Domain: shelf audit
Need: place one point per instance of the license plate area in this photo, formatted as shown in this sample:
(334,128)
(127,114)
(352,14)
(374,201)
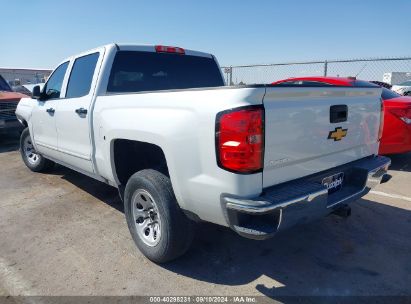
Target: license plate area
(334,182)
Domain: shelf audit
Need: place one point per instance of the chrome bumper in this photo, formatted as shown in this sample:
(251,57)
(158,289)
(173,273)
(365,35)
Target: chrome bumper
(286,205)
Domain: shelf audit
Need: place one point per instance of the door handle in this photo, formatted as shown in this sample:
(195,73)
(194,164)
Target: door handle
(81,111)
(50,110)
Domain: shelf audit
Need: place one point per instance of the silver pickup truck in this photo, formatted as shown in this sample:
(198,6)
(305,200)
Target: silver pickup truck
(159,124)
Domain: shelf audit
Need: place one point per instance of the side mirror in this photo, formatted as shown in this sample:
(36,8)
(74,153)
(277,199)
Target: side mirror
(36,92)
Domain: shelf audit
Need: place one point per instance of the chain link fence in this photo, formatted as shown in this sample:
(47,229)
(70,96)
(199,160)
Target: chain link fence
(389,70)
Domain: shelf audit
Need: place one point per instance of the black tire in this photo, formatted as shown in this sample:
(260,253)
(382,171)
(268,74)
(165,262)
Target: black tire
(176,229)
(407,93)
(39,164)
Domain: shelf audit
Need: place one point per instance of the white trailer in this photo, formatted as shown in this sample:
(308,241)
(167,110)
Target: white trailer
(394,78)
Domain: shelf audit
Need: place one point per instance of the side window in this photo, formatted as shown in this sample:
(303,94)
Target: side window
(81,76)
(53,86)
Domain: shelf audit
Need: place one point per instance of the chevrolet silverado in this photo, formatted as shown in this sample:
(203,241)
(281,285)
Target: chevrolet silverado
(159,124)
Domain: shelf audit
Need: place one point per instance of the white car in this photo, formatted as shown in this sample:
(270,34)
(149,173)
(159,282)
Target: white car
(159,124)
(403,88)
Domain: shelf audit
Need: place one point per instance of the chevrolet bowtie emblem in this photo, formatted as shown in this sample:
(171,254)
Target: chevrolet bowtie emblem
(338,134)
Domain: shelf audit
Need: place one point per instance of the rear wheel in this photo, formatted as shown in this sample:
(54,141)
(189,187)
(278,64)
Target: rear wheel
(33,160)
(407,93)
(158,226)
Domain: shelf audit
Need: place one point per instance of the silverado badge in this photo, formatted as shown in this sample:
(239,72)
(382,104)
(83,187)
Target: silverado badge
(338,134)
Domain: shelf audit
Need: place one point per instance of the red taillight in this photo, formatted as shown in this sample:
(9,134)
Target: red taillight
(169,49)
(381,120)
(240,139)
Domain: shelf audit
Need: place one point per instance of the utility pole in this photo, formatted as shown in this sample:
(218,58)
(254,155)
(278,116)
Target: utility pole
(325,67)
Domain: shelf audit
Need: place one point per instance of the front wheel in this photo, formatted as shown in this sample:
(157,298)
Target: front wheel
(158,226)
(33,160)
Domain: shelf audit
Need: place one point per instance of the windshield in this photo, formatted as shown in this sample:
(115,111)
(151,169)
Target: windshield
(134,71)
(4,86)
(388,94)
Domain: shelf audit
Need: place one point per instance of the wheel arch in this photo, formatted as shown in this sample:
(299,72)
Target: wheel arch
(23,122)
(129,156)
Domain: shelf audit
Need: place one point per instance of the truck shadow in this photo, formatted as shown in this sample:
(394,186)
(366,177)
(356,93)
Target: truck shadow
(9,142)
(99,190)
(364,254)
(358,255)
(367,253)
(401,162)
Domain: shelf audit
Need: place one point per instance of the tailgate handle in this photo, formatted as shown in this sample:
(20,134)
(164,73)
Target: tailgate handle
(338,113)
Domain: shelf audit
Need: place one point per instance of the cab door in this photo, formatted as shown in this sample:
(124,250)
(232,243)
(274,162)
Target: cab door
(44,132)
(74,113)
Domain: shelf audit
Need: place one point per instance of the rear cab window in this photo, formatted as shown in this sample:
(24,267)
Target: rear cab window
(137,71)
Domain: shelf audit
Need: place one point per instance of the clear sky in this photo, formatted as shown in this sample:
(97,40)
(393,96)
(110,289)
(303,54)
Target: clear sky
(40,33)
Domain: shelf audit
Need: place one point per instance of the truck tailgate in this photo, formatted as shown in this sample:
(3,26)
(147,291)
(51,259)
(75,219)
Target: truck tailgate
(300,138)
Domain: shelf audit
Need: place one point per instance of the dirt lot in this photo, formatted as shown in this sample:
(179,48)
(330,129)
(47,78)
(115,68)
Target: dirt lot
(65,234)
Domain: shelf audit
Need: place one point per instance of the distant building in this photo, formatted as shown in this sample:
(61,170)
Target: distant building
(17,77)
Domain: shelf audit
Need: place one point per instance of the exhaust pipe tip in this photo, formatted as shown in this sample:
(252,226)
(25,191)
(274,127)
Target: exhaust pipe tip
(344,211)
(385,178)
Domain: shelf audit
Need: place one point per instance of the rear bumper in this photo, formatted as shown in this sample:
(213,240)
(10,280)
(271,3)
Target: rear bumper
(300,201)
(10,125)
